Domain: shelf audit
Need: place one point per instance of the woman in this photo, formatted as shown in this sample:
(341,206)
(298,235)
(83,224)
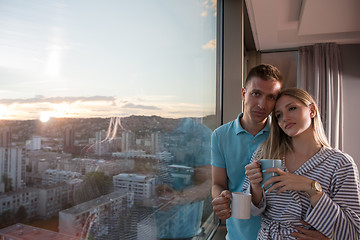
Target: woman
(318,184)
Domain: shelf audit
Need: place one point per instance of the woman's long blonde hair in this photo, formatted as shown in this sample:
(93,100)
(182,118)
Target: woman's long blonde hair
(278,143)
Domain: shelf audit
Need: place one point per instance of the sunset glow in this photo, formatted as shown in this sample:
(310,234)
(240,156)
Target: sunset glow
(3,112)
(45,116)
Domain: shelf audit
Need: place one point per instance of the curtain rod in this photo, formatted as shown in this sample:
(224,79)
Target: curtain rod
(280,50)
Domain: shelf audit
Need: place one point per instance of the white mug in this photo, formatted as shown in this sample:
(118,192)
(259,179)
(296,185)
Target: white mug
(240,205)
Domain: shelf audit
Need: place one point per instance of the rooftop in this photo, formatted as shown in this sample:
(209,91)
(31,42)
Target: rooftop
(25,232)
(132,176)
(89,205)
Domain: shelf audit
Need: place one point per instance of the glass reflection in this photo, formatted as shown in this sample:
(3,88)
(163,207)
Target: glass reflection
(106,112)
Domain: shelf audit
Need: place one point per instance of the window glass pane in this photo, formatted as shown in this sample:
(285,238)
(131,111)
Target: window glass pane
(106,112)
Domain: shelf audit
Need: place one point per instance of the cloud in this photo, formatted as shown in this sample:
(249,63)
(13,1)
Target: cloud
(210,45)
(209,5)
(138,106)
(98,106)
(213,4)
(42,99)
(204,13)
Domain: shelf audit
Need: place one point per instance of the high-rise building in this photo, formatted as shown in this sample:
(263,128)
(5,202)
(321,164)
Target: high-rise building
(102,145)
(155,142)
(5,137)
(69,139)
(127,141)
(12,167)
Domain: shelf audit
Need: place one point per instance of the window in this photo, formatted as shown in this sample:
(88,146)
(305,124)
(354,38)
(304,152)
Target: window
(94,92)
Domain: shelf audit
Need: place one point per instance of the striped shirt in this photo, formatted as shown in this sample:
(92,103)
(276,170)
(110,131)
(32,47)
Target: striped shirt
(336,214)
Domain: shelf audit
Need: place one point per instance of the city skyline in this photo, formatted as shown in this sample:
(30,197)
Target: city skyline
(60,59)
(53,177)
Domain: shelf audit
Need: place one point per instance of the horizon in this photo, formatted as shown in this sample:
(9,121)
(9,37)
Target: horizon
(109,117)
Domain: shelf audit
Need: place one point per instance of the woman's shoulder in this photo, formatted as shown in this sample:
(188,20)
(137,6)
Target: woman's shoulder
(338,156)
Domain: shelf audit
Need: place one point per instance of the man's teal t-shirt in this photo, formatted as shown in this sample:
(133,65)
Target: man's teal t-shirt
(184,221)
(232,148)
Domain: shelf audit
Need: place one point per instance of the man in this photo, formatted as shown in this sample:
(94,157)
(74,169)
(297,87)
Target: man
(181,217)
(233,144)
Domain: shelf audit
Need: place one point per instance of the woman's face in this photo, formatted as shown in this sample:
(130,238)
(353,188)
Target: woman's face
(293,117)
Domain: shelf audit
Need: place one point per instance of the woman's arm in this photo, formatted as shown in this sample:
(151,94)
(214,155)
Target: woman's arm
(337,214)
(254,176)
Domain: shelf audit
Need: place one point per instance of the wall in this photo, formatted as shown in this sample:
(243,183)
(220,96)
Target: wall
(286,62)
(350,55)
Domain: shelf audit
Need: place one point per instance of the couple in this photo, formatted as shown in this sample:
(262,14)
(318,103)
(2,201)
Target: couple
(315,196)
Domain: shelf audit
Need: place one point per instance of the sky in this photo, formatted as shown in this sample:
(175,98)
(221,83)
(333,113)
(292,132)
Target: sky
(87,58)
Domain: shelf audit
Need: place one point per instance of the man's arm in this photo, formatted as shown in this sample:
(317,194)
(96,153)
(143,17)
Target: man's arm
(197,192)
(220,193)
(308,234)
(201,188)
(219,181)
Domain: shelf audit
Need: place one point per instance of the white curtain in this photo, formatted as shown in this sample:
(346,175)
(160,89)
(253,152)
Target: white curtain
(319,73)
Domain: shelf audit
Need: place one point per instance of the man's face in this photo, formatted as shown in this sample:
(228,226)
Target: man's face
(259,99)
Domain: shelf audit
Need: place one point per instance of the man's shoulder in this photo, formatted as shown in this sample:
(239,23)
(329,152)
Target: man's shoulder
(225,127)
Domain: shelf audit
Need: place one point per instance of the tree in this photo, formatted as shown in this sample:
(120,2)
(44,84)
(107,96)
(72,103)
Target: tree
(7,218)
(95,184)
(21,214)
(7,182)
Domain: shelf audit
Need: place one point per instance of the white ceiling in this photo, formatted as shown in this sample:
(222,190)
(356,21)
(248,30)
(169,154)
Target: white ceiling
(281,24)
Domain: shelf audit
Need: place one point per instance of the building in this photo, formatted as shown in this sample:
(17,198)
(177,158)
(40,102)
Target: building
(86,165)
(5,137)
(99,217)
(12,166)
(53,176)
(156,145)
(127,141)
(69,139)
(27,197)
(181,176)
(52,199)
(21,231)
(161,165)
(34,143)
(74,186)
(129,154)
(142,186)
(102,144)
(187,216)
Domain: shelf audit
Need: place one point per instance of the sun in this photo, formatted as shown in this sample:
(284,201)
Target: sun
(4,112)
(44,117)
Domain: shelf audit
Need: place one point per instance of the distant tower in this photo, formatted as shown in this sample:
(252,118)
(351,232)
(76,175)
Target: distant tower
(156,143)
(35,143)
(69,139)
(100,145)
(127,141)
(5,137)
